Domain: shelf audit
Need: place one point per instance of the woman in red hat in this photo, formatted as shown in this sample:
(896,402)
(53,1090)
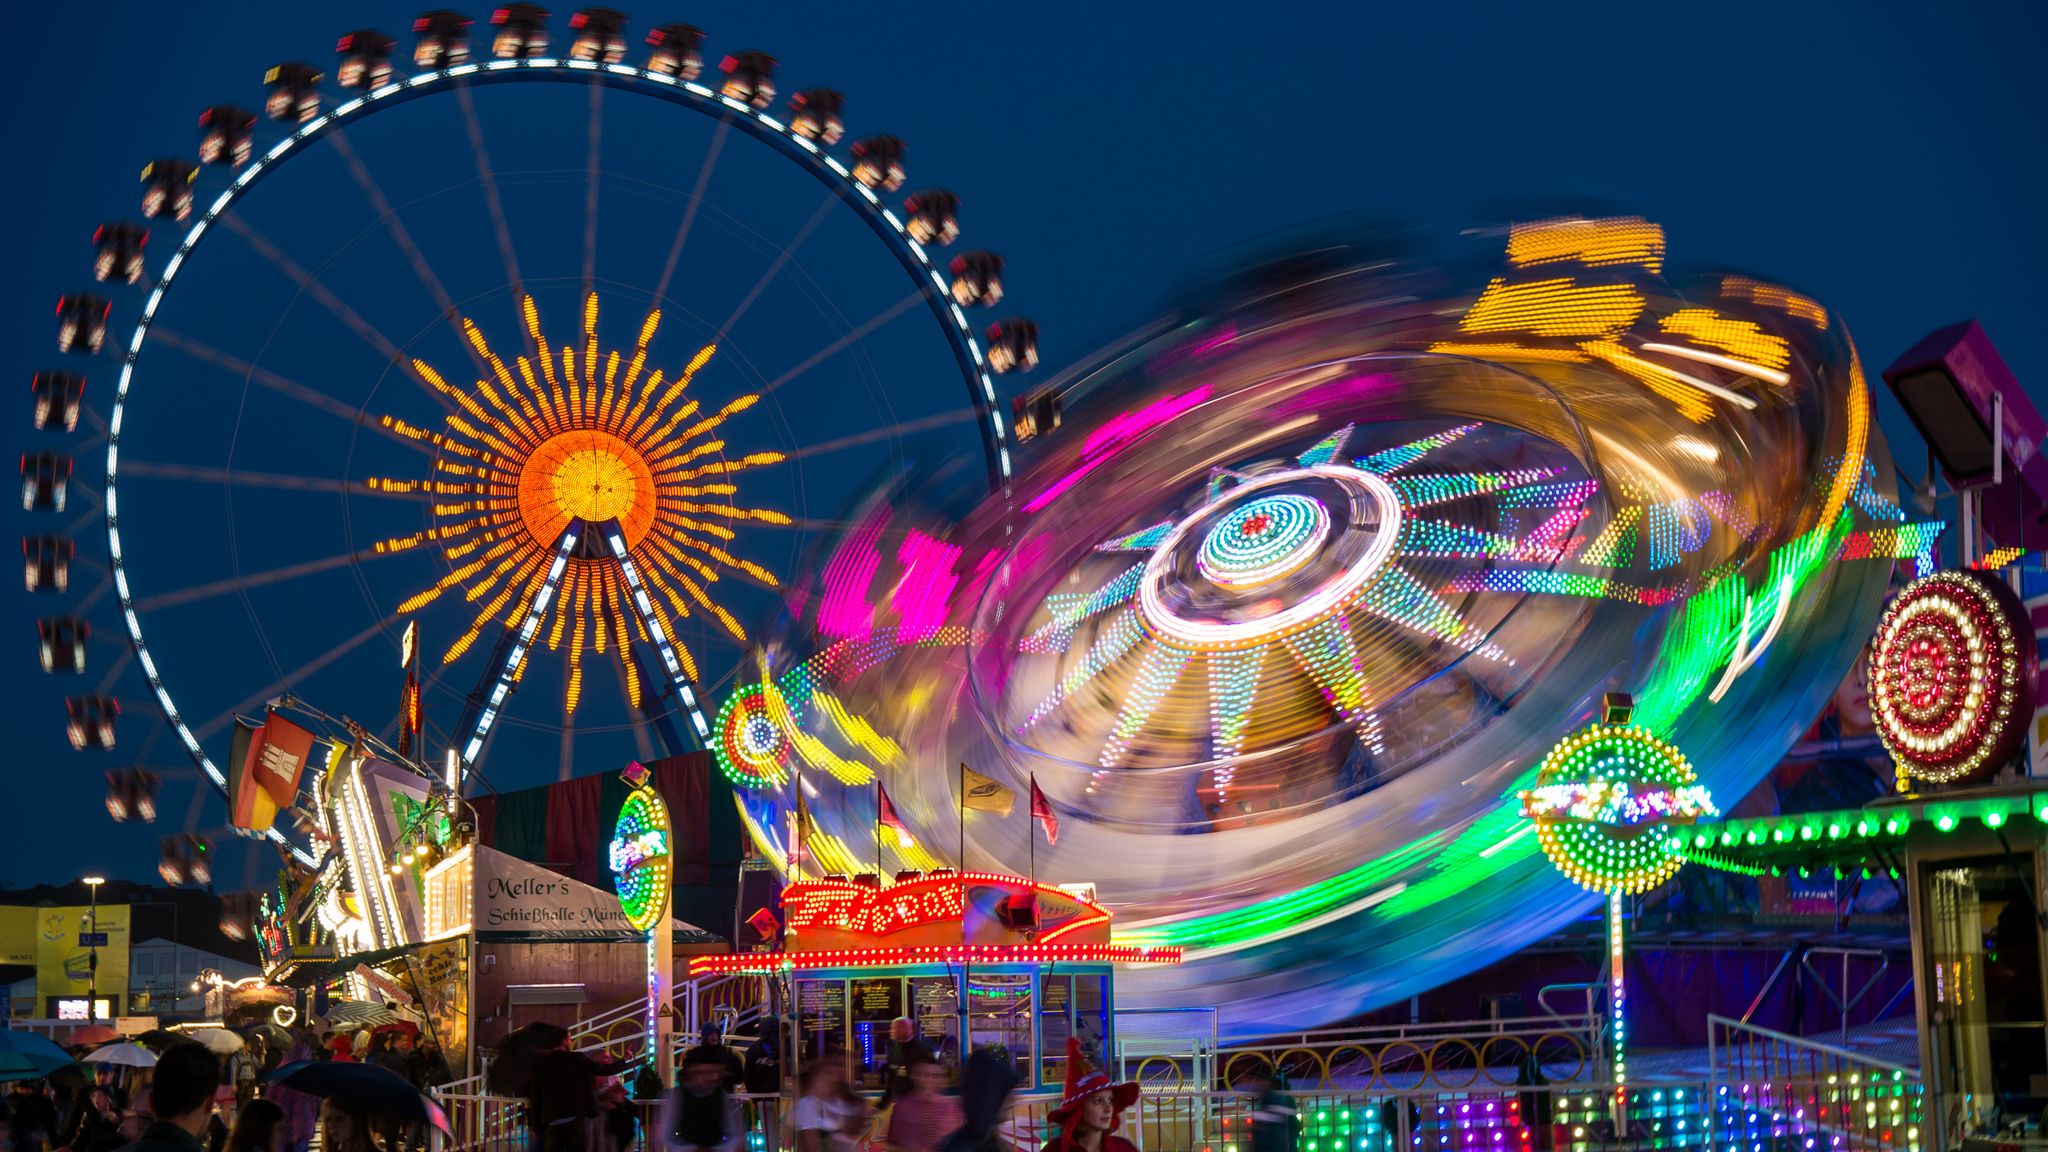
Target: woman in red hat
(1090,1110)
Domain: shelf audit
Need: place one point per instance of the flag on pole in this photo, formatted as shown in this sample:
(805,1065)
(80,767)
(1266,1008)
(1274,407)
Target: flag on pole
(983,794)
(1041,811)
(800,832)
(885,815)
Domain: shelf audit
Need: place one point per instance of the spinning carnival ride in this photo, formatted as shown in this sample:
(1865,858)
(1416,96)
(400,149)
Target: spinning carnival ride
(562,358)
(1286,615)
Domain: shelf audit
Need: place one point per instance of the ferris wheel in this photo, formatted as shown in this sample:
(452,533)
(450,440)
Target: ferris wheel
(554,362)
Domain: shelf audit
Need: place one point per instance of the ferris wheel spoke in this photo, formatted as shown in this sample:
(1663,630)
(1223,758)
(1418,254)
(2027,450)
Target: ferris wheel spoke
(872,435)
(675,248)
(489,181)
(98,593)
(280,481)
(115,669)
(590,184)
(197,592)
(402,236)
(312,397)
(643,739)
(312,286)
(289,680)
(841,344)
(782,258)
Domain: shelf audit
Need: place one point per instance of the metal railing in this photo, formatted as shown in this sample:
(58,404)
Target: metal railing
(1700,1116)
(1450,1056)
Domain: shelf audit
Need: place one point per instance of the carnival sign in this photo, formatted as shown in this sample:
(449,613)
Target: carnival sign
(640,858)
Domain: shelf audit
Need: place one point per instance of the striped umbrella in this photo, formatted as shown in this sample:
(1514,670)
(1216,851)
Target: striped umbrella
(359,1014)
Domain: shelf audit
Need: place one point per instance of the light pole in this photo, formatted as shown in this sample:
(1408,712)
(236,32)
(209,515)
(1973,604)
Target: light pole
(92,949)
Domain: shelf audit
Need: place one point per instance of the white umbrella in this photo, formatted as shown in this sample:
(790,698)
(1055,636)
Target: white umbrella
(218,1041)
(127,1055)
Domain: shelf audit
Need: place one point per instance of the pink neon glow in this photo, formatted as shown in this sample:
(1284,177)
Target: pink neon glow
(1108,441)
(844,610)
(925,593)
(1202,347)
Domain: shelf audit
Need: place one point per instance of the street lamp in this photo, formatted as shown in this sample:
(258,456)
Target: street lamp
(92,949)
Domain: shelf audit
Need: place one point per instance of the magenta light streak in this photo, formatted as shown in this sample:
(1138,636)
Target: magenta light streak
(844,610)
(1108,441)
(925,593)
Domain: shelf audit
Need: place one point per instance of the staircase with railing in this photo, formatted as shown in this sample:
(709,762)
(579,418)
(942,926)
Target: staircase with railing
(1851,1099)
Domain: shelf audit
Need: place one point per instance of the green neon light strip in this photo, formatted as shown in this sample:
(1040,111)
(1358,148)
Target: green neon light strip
(1776,834)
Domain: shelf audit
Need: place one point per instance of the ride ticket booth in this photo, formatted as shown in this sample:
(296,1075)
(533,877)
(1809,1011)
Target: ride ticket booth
(973,961)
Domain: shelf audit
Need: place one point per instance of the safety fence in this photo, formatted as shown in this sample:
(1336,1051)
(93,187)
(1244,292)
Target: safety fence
(1827,1115)
(1460,1056)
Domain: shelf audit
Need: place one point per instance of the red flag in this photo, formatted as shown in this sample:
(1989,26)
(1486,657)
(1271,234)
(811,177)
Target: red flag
(885,815)
(1041,811)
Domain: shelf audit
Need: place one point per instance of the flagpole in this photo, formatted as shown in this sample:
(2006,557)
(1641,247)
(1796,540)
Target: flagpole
(1031,834)
(962,805)
(878,828)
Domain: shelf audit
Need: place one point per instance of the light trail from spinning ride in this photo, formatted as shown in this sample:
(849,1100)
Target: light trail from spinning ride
(1286,615)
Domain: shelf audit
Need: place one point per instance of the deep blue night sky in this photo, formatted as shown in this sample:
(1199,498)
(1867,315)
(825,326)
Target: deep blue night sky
(1885,157)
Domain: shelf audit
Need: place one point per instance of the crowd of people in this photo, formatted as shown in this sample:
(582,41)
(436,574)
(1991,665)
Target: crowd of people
(194,1101)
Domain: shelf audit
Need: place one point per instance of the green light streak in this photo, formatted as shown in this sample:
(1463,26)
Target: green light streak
(1324,896)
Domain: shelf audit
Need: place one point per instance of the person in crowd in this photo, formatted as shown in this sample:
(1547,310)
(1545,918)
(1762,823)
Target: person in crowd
(563,1099)
(301,1111)
(344,1128)
(985,1086)
(431,1066)
(922,1118)
(764,1076)
(904,1049)
(342,1045)
(105,1077)
(1275,1125)
(98,1127)
(384,1053)
(135,1121)
(1090,1110)
(33,1122)
(828,1117)
(711,1046)
(181,1092)
(701,1114)
(260,1128)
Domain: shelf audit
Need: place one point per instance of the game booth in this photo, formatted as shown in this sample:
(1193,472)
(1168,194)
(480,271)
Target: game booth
(411,910)
(974,960)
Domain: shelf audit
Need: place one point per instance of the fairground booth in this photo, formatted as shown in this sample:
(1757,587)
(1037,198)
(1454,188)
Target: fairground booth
(414,908)
(974,960)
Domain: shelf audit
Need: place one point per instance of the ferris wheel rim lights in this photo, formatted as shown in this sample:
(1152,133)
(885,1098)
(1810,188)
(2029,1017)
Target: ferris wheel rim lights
(1324,602)
(865,202)
(1949,678)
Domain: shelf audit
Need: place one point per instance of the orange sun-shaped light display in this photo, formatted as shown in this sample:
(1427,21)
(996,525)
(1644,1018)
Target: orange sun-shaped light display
(567,435)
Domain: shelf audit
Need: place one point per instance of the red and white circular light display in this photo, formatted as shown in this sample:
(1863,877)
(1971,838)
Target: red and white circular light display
(1952,675)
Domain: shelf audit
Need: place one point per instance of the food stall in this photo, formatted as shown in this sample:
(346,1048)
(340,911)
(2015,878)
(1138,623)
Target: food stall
(974,960)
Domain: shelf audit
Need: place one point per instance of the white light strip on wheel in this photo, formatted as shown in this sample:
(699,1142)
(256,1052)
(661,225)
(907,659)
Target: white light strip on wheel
(508,672)
(644,608)
(863,199)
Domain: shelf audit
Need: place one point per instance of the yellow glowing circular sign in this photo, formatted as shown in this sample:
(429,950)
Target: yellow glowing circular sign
(588,475)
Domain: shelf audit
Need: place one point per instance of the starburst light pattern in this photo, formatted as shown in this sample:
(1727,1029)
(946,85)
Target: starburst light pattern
(577,433)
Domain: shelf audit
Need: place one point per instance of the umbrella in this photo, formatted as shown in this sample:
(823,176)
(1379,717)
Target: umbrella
(93,1034)
(359,1014)
(218,1041)
(27,1056)
(158,1038)
(512,1069)
(376,1090)
(277,1038)
(126,1055)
